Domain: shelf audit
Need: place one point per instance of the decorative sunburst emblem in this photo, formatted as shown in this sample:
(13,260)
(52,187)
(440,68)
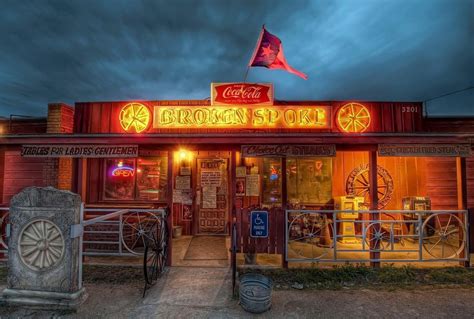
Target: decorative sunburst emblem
(41,245)
(135,117)
(353,118)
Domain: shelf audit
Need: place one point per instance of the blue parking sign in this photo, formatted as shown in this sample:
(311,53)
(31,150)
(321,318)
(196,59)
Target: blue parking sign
(259,224)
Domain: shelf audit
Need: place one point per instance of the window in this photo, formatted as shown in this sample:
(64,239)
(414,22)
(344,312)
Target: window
(271,181)
(143,179)
(309,180)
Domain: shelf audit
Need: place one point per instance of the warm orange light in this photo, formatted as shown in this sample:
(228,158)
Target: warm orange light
(353,118)
(183,154)
(302,117)
(135,117)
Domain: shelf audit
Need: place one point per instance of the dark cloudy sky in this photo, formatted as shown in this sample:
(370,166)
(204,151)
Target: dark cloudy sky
(403,50)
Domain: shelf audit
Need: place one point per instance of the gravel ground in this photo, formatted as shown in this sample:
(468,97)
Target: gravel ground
(205,293)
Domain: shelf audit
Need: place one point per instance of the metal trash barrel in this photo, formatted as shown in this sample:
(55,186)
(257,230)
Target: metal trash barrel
(255,292)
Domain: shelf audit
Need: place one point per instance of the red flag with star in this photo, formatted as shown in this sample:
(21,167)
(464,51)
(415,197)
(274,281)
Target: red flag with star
(269,54)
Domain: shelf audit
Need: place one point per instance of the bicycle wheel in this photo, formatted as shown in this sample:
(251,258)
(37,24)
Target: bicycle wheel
(150,264)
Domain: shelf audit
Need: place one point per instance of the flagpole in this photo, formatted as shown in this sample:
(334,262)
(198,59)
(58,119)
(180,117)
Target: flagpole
(254,52)
(246,73)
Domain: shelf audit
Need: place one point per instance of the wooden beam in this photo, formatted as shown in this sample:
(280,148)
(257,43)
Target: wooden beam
(169,260)
(461,185)
(374,201)
(284,205)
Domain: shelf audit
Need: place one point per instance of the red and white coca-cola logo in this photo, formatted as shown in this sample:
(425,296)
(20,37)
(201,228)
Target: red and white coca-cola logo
(242,93)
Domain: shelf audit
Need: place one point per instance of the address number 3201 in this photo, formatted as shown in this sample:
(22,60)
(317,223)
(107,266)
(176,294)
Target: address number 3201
(409,109)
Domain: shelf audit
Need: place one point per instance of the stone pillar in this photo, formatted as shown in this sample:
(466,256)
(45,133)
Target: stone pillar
(44,262)
(60,121)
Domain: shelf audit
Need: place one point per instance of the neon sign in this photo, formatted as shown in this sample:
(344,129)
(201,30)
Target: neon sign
(312,117)
(135,117)
(353,118)
(123,171)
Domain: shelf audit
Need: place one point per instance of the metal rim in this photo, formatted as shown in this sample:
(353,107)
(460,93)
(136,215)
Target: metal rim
(136,231)
(380,237)
(314,238)
(449,236)
(3,230)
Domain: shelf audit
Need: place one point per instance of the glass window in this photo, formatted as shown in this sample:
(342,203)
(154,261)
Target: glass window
(119,179)
(309,180)
(152,178)
(143,179)
(271,181)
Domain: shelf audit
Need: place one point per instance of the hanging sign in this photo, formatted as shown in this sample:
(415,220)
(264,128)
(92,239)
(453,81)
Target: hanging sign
(259,224)
(288,150)
(94,151)
(441,150)
(242,93)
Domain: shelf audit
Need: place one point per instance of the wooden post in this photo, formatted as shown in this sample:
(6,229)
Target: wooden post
(284,205)
(169,260)
(374,201)
(461,185)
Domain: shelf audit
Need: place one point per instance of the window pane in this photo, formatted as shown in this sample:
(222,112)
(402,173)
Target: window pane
(309,180)
(271,181)
(119,179)
(152,181)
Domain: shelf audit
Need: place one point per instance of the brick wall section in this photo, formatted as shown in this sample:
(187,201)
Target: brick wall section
(58,171)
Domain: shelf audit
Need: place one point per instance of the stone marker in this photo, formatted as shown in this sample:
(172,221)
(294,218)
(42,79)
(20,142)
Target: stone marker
(43,259)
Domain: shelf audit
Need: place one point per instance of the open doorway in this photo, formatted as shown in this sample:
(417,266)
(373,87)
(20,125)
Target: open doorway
(202,217)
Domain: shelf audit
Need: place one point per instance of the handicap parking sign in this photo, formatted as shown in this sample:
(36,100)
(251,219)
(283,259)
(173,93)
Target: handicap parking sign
(259,224)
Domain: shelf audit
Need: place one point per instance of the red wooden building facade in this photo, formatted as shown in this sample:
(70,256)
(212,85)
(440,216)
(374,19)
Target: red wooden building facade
(213,163)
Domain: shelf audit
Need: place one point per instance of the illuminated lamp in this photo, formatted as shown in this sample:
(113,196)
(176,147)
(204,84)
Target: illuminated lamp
(135,117)
(353,118)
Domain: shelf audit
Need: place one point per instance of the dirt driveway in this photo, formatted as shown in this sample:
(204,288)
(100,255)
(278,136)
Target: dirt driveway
(205,293)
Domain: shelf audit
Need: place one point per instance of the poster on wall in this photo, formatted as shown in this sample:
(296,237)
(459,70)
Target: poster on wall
(182,197)
(187,213)
(252,185)
(183,182)
(185,170)
(240,187)
(254,170)
(209,197)
(240,171)
(211,178)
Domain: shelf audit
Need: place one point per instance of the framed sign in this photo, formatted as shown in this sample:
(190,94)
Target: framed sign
(80,151)
(259,224)
(242,93)
(434,150)
(325,150)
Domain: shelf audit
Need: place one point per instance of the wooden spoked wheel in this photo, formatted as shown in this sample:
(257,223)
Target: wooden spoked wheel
(358,184)
(310,236)
(137,229)
(3,231)
(135,116)
(156,252)
(353,118)
(444,236)
(377,236)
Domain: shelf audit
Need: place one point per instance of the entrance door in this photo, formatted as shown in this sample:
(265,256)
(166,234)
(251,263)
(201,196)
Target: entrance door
(212,195)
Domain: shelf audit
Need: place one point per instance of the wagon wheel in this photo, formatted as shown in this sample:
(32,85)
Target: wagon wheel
(446,236)
(136,230)
(156,250)
(319,235)
(353,118)
(136,116)
(358,184)
(375,234)
(3,231)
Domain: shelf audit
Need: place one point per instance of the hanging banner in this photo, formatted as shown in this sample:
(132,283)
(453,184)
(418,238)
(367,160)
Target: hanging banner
(326,150)
(434,150)
(95,151)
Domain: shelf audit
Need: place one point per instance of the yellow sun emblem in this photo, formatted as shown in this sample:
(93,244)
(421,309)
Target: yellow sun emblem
(135,116)
(353,118)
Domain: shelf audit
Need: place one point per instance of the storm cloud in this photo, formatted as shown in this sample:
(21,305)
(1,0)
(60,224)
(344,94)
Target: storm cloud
(378,50)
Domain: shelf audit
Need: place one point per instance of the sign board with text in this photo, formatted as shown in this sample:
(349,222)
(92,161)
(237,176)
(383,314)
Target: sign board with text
(259,224)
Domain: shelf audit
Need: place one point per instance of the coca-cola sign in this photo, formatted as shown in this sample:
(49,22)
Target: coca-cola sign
(242,93)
